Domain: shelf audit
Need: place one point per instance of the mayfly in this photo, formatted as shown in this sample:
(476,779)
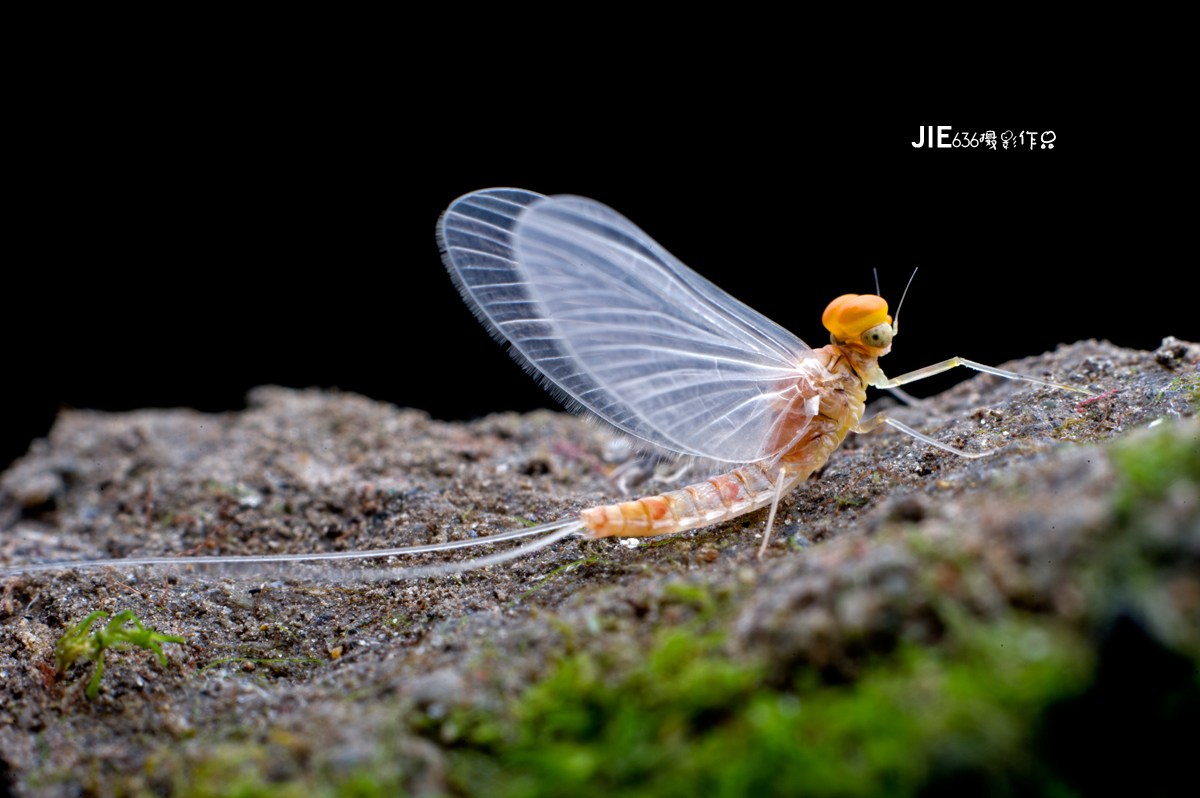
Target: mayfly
(620,329)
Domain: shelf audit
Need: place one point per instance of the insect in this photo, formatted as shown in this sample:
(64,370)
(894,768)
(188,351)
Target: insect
(618,328)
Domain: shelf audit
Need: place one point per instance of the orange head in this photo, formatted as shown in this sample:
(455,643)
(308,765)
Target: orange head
(859,319)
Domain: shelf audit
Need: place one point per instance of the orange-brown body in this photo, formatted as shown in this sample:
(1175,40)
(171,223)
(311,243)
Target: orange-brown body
(832,383)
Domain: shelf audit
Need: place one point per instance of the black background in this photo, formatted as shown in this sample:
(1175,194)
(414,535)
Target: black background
(179,257)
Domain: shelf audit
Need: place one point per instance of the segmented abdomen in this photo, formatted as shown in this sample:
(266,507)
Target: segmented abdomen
(704,503)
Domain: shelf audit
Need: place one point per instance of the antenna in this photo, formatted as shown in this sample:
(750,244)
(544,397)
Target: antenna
(875,272)
(896,321)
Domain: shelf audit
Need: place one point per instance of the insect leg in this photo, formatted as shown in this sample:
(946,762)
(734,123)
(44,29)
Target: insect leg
(906,397)
(882,418)
(779,480)
(953,362)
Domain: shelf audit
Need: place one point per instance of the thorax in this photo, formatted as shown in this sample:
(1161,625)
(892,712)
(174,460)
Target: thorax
(841,369)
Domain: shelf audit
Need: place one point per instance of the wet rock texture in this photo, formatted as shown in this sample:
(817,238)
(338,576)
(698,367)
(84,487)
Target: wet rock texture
(322,670)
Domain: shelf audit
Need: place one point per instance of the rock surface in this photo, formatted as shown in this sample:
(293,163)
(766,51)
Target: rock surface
(319,669)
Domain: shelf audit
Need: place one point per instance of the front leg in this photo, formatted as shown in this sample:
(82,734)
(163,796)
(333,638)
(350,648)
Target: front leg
(946,365)
(938,368)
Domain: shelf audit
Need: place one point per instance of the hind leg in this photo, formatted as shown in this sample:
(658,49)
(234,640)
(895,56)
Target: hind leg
(774,506)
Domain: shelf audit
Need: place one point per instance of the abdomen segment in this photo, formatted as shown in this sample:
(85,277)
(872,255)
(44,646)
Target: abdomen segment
(710,502)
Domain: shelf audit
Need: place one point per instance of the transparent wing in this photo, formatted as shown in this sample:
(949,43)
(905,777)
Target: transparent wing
(617,325)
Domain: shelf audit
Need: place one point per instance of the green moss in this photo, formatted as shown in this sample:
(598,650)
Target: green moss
(695,596)
(1147,563)
(1150,465)
(125,629)
(263,660)
(571,566)
(1188,383)
(256,770)
(692,721)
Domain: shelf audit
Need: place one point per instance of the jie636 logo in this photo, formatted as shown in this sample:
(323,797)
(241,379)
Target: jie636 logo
(948,139)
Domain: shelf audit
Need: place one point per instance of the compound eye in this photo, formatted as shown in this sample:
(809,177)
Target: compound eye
(878,337)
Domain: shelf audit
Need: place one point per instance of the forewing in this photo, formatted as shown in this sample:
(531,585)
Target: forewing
(619,326)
